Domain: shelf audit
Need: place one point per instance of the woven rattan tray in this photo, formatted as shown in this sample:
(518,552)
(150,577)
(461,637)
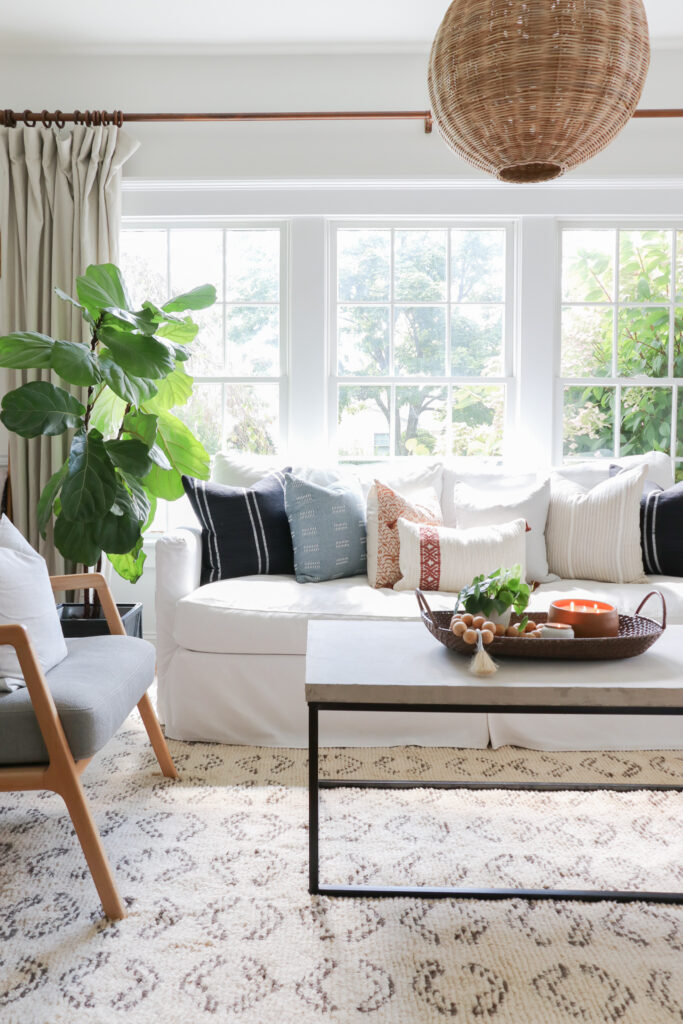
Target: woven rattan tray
(636,634)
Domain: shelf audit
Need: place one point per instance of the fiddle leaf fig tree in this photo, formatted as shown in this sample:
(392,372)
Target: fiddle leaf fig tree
(127,449)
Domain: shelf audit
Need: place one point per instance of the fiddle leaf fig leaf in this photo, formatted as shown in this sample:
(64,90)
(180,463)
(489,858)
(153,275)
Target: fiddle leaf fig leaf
(118,533)
(75,540)
(138,354)
(40,408)
(127,386)
(186,454)
(100,288)
(182,332)
(75,363)
(172,391)
(141,425)
(130,455)
(89,489)
(47,497)
(164,483)
(198,298)
(130,565)
(26,350)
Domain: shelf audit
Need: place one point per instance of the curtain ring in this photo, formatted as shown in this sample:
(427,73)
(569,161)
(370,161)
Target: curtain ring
(59,121)
(9,119)
(27,120)
(97,117)
(118,118)
(46,118)
(78,117)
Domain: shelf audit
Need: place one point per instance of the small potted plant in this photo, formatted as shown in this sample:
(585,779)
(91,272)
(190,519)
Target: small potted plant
(496,595)
(127,448)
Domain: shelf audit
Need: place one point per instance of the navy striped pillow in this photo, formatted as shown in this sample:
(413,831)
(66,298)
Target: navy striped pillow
(245,531)
(661,535)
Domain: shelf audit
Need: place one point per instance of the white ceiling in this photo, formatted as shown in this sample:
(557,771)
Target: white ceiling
(135,26)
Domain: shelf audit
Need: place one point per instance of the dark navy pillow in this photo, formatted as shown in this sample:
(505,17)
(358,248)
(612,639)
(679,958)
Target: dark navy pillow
(245,531)
(661,528)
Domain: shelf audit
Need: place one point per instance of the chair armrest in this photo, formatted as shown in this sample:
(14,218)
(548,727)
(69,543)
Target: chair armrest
(93,581)
(178,572)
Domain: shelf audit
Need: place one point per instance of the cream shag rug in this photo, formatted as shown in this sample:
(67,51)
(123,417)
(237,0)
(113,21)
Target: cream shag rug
(213,869)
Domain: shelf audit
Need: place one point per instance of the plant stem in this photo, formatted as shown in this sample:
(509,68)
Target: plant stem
(125,413)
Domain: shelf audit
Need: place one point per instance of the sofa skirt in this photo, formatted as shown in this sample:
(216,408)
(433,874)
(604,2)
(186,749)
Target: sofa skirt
(258,699)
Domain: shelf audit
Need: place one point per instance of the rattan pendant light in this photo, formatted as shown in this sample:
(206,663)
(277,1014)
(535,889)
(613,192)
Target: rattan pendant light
(528,89)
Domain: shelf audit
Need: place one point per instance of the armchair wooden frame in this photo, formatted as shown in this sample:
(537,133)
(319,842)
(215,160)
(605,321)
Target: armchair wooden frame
(62,774)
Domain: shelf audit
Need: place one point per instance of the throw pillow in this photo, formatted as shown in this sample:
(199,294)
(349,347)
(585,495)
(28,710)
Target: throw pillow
(469,507)
(244,530)
(446,558)
(328,529)
(595,534)
(384,508)
(661,538)
(26,597)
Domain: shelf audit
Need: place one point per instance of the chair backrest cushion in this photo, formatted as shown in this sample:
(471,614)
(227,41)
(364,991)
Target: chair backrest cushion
(26,598)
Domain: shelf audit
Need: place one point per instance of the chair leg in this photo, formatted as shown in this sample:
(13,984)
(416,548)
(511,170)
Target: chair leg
(71,790)
(157,738)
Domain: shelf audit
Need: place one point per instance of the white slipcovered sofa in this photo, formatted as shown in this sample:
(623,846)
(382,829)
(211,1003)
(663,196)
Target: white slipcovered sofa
(231,654)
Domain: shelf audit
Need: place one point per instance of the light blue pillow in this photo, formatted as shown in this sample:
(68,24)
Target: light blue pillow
(328,529)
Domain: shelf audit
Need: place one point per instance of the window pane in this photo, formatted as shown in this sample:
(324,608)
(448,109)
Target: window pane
(206,351)
(643,342)
(477,340)
(586,341)
(678,342)
(477,417)
(253,340)
(196,258)
(588,422)
(421,420)
(644,265)
(363,265)
(363,340)
(588,266)
(679,264)
(252,265)
(477,266)
(679,472)
(679,428)
(363,421)
(143,261)
(645,420)
(202,414)
(420,340)
(420,266)
(252,418)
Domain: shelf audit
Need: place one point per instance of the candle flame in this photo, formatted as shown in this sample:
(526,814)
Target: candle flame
(571,606)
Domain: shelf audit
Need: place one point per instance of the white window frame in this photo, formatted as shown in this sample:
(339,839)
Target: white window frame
(507,378)
(635,223)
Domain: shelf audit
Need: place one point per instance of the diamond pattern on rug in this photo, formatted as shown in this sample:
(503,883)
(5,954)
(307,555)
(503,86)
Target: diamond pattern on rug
(213,870)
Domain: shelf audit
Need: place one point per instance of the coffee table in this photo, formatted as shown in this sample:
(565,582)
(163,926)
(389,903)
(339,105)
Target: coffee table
(398,666)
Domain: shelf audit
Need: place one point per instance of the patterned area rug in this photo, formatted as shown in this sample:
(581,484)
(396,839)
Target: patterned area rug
(213,869)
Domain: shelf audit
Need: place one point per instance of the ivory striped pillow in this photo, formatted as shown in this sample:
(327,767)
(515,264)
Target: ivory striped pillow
(245,531)
(595,534)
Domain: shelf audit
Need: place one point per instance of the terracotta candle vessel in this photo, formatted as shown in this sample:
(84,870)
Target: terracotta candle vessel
(588,618)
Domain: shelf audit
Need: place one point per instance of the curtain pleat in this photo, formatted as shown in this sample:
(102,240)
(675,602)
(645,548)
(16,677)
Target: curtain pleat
(60,211)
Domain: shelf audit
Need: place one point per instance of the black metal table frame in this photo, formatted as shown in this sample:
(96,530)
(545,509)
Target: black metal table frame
(315,784)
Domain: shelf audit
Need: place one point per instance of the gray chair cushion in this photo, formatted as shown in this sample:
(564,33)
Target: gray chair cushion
(95,688)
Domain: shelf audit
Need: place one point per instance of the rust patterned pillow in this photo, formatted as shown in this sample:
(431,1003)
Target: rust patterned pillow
(421,507)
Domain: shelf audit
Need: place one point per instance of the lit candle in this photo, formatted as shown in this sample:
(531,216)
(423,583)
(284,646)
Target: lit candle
(588,618)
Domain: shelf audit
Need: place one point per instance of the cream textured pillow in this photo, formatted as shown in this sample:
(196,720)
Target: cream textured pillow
(595,534)
(446,558)
(26,597)
(385,505)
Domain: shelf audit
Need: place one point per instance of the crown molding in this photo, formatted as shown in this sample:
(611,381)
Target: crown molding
(394,184)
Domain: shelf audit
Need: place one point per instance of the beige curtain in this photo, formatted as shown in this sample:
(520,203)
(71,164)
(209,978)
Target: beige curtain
(60,210)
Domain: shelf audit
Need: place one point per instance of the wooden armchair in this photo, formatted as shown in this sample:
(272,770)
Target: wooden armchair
(51,730)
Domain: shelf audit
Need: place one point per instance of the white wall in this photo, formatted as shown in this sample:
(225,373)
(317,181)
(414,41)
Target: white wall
(303,82)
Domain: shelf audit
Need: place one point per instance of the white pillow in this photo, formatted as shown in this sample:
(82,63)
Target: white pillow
(468,507)
(444,558)
(588,474)
(402,475)
(26,598)
(595,534)
(239,469)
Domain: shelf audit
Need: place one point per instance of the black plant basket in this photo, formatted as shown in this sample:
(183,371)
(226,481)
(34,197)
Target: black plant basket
(75,624)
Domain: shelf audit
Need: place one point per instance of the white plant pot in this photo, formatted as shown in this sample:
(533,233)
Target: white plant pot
(503,619)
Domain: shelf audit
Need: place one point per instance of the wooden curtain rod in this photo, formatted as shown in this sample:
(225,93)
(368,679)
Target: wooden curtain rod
(10,118)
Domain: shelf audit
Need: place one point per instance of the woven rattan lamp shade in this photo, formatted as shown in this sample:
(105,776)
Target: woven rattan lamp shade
(528,89)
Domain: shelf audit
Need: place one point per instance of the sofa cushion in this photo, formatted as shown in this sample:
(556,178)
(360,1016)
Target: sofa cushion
(94,688)
(269,615)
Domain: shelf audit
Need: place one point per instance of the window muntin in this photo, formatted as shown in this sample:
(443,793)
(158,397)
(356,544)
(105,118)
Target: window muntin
(621,327)
(420,348)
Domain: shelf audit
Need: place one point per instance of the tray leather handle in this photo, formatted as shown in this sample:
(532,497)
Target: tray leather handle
(647,597)
(422,601)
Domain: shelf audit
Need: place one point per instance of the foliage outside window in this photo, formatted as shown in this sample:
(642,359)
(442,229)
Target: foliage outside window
(419,341)
(621,351)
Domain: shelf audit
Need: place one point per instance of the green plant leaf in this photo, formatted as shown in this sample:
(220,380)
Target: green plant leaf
(138,354)
(183,332)
(26,350)
(47,497)
(164,483)
(186,454)
(89,489)
(68,298)
(140,425)
(158,457)
(100,288)
(199,298)
(140,501)
(131,456)
(40,408)
(130,565)
(74,540)
(75,363)
(119,534)
(172,391)
(107,412)
(129,387)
